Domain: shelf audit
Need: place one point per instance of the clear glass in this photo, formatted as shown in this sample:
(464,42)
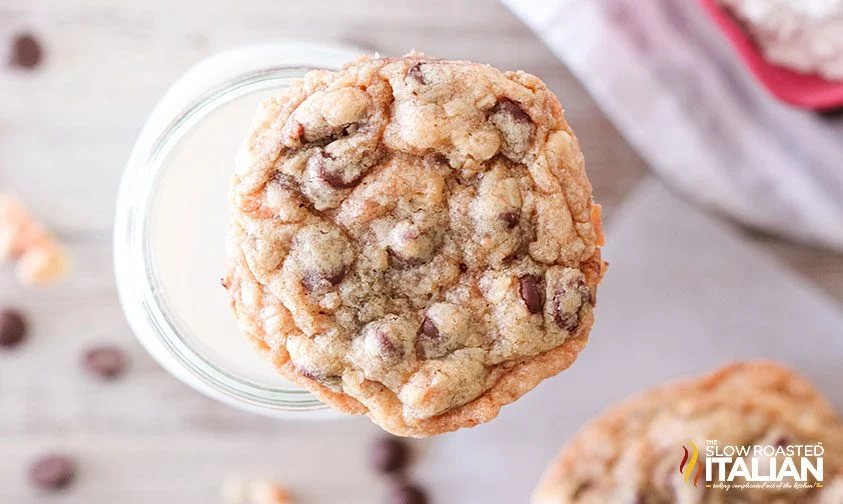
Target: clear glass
(170,220)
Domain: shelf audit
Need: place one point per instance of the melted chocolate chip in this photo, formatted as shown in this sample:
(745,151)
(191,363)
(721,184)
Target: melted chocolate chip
(105,361)
(567,321)
(389,455)
(416,74)
(570,320)
(429,329)
(12,328)
(463,268)
(511,219)
(441,159)
(513,109)
(26,51)
(331,175)
(313,280)
(398,261)
(52,472)
(407,494)
(307,373)
(386,346)
(531,293)
(428,338)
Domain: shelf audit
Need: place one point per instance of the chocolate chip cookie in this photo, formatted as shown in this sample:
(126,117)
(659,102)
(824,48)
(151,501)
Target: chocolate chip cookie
(633,453)
(414,239)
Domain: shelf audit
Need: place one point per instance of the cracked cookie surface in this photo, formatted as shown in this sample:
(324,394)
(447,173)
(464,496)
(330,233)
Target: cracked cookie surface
(632,453)
(414,239)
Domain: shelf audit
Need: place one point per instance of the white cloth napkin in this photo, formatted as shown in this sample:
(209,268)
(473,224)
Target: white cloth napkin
(683,295)
(671,84)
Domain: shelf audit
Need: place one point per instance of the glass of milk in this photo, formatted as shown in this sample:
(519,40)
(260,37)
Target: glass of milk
(169,251)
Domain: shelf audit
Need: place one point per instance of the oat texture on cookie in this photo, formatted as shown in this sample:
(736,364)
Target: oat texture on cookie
(414,239)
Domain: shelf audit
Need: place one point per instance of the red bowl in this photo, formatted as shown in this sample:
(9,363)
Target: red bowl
(807,91)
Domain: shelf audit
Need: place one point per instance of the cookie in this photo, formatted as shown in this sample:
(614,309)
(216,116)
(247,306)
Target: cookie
(414,239)
(633,452)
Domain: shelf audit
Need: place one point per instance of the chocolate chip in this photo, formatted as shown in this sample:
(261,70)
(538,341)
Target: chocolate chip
(12,328)
(567,321)
(510,218)
(386,346)
(389,455)
(463,268)
(52,472)
(416,74)
(406,493)
(428,340)
(531,293)
(429,329)
(26,51)
(330,172)
(105,361)
(442,159)
(570,320)
(313,280)
(513,109)
(398,261)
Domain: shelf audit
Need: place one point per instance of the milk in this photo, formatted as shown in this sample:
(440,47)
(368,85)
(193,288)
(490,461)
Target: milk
(187,227)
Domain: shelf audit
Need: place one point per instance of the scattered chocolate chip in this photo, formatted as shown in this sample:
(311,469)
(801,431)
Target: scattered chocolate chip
(307,373)
(567,321)
(387,346)
(327,171)
(531,293)
(12,328)
(26,51)
(428,339)
(105,361)
(416,74)
(389,454)
(570,320)
(832,113)
(510,219)
(398,261)
(52,472)
(513,109)
(463,268)
(442,159)
(313,280)
(407,494)
(429,328)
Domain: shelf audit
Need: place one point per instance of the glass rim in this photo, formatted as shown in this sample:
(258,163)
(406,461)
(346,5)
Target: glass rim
(135,265)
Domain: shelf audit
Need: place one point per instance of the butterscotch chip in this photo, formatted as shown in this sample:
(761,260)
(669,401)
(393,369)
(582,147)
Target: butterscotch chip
(636,452)
(236,490)
(40,258)
(414,239)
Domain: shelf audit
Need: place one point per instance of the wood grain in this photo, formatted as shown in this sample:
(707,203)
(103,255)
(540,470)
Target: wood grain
(65,132)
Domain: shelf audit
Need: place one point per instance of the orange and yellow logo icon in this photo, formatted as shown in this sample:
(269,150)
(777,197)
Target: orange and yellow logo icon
(690,461)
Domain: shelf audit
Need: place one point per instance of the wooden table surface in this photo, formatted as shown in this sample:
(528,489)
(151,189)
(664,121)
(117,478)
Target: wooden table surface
(65,132)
